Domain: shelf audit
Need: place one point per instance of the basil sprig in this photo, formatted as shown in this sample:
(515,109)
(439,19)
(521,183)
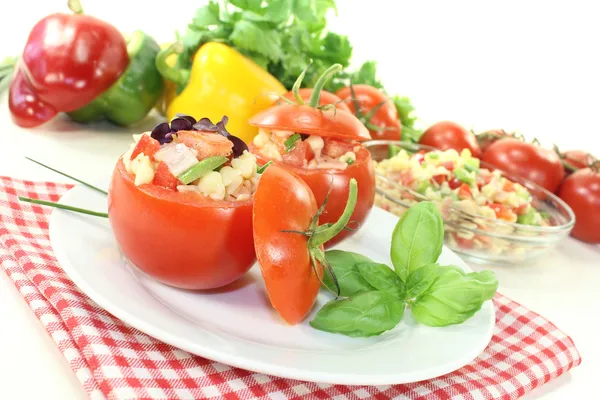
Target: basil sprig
(374,296)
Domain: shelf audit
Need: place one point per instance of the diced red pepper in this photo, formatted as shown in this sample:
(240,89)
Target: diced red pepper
(508,186)
(502,212)
(439,179)
(336,148)
(419,157)
(449,165)
(164,178)
(522,209)
(454,183)
(296,156)
(146,145)
(464,243)
(464,192)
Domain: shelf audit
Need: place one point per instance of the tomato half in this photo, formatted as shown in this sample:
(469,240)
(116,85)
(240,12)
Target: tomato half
(539,165)
(319,181)
(326,98)
(180,239)
(332,123)
(385,123)
(581,191)
(283,201)
(446,135)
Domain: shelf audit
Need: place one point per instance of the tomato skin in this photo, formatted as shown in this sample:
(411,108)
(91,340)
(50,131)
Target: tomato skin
(575,160)
(326,98)
(487,138)
(581,191)
(446,135)
(386,117)
(289,276)
(332,123)
(319,181)
(180,239)
(539,165)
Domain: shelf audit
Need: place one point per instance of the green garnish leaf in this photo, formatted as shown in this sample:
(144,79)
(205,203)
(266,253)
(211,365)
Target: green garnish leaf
(366,314)
(454,296)
(349,161)
(249,36)
(290,142)
(345,266)
(417,239)
(383,278)
(201,169)
(262,169)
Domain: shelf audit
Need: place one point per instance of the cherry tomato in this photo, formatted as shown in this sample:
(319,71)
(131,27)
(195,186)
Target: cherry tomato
(446,135)
(180,239)
(326,98)
(384,123)
(319,181)
(581,191)
(285,263)
(337,124)
(539,165)
(574,160)
(487,138)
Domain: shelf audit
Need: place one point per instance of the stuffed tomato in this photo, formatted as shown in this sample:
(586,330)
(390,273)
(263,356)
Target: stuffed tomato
(180,204)
(323,145)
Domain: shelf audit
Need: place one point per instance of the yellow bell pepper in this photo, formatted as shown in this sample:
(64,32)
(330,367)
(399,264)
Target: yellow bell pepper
(221,82)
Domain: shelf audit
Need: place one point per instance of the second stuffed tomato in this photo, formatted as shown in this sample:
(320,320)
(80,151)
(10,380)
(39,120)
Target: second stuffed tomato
(322,145)
(180,205)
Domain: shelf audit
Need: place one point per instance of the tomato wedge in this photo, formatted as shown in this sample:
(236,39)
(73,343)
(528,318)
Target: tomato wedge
(180,239)
(290,253)
(284,258)
(334,123)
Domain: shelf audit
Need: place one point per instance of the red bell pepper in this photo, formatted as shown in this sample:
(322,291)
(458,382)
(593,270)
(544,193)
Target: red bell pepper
(68,60)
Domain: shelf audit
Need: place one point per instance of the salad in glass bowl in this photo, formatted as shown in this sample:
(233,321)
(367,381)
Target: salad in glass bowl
(489,215)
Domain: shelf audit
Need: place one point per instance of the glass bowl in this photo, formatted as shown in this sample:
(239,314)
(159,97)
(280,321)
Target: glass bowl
(477,238)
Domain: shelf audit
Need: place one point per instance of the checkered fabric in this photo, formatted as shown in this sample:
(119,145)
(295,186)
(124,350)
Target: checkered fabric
(115,361)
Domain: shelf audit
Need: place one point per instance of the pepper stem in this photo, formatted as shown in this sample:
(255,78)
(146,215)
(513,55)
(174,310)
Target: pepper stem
(178,76)
(75,6)
(327,75)
(298,83)
(322,236)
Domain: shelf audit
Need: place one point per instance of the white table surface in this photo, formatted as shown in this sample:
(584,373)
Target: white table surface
(531,67)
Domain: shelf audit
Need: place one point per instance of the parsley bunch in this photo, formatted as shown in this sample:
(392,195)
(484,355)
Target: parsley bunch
(282,36)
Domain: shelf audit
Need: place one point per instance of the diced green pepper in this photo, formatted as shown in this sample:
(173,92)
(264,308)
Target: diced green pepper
(201,169)
(393,150)
(433,156)
(471,164)
(464,176)
(529,218)
(422,186)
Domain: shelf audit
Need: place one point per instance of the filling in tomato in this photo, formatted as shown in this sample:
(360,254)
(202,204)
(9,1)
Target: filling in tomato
(194,161)
(308,151)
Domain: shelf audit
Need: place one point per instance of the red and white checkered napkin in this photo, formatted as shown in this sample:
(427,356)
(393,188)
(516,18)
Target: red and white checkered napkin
(116,361)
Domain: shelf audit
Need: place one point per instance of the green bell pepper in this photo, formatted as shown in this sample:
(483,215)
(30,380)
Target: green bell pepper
(135,93)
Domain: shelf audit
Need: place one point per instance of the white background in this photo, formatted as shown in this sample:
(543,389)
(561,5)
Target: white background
(531,66)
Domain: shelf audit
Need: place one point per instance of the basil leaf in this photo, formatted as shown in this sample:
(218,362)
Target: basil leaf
(417,238)
(383,278)
(420,280)
(345,266)
(454,296)
(366,314)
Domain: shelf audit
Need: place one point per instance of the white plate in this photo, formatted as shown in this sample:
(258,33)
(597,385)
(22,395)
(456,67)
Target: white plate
(237,326)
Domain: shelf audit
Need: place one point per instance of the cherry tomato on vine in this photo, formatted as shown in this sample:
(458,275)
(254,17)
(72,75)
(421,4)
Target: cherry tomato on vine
(581,191)
(539,165)
(375,109)
(446,135)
